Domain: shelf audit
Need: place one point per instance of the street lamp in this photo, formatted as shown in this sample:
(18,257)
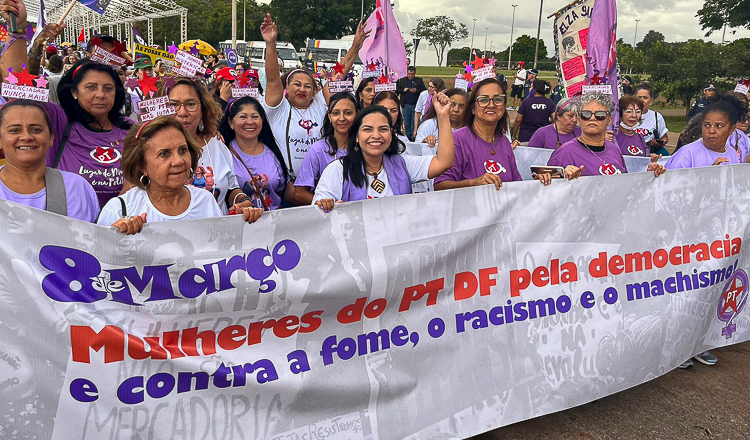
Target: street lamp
(244,20)
(512,25)
(484,54)
(538,32)
(416,46)
(471,47)
(636,32)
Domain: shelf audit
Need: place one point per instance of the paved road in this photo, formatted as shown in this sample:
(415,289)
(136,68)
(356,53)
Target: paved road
(699,403)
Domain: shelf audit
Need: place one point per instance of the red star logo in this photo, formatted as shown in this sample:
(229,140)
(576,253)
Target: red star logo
(372,66)
(95,41)
(731,296)
(478,62)
(119,48)
(746,82)
(596,79)
(383,79)
(25,78)
(148,84)
(338,68)
(467,76)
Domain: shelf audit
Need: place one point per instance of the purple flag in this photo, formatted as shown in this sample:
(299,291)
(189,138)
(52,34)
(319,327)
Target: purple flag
(385,41)
(232,58)
(601,53)
(137,37)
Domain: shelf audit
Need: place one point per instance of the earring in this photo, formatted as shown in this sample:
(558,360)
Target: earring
(201,126)
(147,180)
(191,172)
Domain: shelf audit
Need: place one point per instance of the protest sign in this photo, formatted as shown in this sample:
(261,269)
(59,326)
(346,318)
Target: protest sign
(154,54)
(340,86)
(238,92)
(462,84)
(571,40)
(482,74)
(150,109)
(741,88)
(426,316)
(13,91)
(389,86)
(189,65)
(104,57)
(598,88)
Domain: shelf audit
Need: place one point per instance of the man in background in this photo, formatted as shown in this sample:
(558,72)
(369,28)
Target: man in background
(408,89)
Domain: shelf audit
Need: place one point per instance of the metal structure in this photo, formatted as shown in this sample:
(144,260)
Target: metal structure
(119,15)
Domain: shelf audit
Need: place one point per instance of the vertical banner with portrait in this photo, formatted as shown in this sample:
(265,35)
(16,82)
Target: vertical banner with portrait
(571,39)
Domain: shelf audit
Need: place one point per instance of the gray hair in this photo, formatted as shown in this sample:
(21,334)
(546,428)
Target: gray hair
(565,105)
(600,98)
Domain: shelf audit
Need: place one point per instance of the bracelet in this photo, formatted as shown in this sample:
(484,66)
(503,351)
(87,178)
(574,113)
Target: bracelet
(31,55)
(245,197)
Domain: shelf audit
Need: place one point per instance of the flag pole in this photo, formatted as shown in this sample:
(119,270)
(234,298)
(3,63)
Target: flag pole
(362,14)
(66,12)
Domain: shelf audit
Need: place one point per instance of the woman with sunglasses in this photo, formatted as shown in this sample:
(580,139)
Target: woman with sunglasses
(342,109)
(719,123)
(295,106)
(25,138)
(484,155)
(428,131)
(630,141)
(374,166)
(591,154)
(564,128)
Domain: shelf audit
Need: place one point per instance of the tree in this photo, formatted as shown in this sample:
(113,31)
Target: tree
(458,56)
(629,58)
(524,48)
(736,60)
(409,46)
(715,13)
(301,19)
(649,40)
(440,32)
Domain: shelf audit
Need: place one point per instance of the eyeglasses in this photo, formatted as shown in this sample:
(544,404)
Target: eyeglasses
(633,112)
(190,106)
(484,100)
(587,115)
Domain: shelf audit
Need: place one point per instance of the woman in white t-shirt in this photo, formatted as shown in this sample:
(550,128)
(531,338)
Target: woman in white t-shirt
(159,157)
(373,167)
(436,85)
(652,122)
(294,105)
(428,132)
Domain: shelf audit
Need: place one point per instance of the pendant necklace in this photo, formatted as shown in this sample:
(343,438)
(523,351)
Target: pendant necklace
(492,145)
(592,151)
(377,184)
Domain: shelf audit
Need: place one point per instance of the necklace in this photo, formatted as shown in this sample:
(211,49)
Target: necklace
(377,184)
(492,145)
(588,147)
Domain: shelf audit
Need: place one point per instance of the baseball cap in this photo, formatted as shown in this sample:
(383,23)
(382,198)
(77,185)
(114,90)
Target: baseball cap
(226,73)
(520,63)
(709,87)
(142,63)
(628,79)
(534,72)
(51,50)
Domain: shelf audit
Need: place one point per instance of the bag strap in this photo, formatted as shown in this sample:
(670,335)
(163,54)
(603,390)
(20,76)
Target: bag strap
(63,143)
(288,149)
(252,178)
(57,199)
(123,207)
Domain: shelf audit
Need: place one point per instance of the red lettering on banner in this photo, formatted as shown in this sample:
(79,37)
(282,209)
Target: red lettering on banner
(542,276)
(111,338)
(416,293)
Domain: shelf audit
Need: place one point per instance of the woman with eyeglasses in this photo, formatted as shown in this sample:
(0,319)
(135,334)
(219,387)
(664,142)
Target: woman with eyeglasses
(484,155)
(342,109)
(719,123)
(294,104)
(390,101)
(591,154)
(436,85)
(199,113)
(374,166)
(630,141)
(428,131)
(564,127)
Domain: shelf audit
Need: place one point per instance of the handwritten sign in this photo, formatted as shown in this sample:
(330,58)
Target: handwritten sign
(741,88)
(153,108)
(573,67)
(101,56)
(387,87)
(598,88)
(482,74)
(13,91)
(575,89)
(372,73)
(189,65)
(247,91)
(462,84)
(583,35)
(340,86)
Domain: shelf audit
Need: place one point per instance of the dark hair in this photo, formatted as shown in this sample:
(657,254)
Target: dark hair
(361,88)
(55,64)
(647,87)
(354,161)
(541,87)
(469,115)
(439,84)
(692,132)
(327,131)
(266,135)
(729,106)
(25,103)
(430,112)
(210,109)
(382,96)
(628,100)
(104,38)
(288,77)
(72,107)
(244,67)
(411,69)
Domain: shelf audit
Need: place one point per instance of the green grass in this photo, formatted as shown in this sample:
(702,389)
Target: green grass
(449,74)
(675,123)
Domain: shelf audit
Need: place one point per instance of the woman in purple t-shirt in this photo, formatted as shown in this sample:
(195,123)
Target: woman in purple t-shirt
(342,108)
(534,112)
(484,154)
(258,162)
(631,142)
(25,137)
(564,128)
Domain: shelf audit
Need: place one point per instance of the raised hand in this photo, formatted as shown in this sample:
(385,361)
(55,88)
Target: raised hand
(17,7)
(268,30)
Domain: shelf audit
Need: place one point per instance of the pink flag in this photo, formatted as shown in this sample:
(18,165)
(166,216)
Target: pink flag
(385,41)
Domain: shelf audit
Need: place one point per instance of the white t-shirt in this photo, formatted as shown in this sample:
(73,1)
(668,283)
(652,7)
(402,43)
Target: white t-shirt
(331,183)
(522,74)
(421,102)
(426,128)
(202,205)
(304,128)
(646,127)
(215,172)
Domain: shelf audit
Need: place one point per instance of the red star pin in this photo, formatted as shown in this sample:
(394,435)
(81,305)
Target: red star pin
(338,68)
(596,79)
(383,79)
(467,76)
(148,84)
(372,66)
(25,78)
(478,62)
(96,41)
(119,48)
(731,296)
(746,82)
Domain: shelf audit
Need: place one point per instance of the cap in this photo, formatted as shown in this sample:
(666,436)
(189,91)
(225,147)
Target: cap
(143,63)
(628,79)
(51,49)
(520,63)
(709,87)
(534,72)
(226,73)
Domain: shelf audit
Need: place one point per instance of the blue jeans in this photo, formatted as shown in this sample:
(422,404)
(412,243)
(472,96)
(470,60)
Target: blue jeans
(409,120)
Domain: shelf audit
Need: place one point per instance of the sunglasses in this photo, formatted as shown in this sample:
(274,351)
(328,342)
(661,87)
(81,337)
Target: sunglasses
(587,115)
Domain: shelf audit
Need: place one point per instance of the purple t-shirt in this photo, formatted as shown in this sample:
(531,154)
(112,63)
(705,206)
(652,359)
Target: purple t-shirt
(267,171)
(536,111)
(697,155)
(548,136)
(95,155)
(604,163)
(82,201)
(316,160)
(631,145)
(474,158)
(740,143)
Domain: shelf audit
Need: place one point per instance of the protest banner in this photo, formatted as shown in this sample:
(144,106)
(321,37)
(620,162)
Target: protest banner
(101,56)
(426,316)
(154,54)
(571,41)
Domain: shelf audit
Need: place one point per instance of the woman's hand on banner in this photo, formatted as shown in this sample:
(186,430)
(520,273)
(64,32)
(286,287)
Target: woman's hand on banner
(488,179)
(720,161)
(130,225)
(326,204)
(658,169)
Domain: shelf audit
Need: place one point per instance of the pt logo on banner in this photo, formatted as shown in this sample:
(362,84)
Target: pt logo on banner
(732,301)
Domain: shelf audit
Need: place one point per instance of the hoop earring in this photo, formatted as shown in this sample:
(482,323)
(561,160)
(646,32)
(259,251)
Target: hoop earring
(191,173)
(146,182)
(201,126)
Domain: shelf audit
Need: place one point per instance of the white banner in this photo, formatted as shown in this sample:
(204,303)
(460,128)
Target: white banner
(427,316)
